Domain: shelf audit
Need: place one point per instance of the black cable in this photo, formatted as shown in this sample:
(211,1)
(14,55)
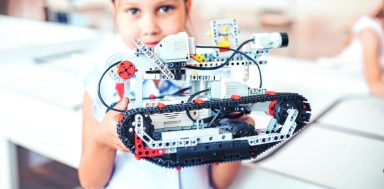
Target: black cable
(235,51)
(197,93)
(190,100)
(221,65)
(180,91)
(191,67)
(99,92)
(110,107)
(227,61)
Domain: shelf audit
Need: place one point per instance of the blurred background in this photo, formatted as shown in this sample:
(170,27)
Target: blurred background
(317,28)
(344,148)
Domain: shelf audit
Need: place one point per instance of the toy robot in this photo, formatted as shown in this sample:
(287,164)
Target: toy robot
(195,128)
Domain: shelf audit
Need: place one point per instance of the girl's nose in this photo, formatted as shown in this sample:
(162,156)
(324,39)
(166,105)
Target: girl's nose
(149,26)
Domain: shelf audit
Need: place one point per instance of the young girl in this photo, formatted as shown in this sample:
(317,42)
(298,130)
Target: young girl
(371,36)
(105,161)
(365,51)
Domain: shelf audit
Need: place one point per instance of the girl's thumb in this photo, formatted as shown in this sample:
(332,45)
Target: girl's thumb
(122,105)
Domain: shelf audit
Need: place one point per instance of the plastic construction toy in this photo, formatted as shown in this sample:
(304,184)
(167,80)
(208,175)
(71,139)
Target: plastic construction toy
(196,128)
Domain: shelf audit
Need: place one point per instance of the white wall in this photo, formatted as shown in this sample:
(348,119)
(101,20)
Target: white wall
(299,8)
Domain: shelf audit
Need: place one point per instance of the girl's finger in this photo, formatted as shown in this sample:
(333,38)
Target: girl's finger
(122,105)
(246,119)
(250,120)
(118,144)
(122,147)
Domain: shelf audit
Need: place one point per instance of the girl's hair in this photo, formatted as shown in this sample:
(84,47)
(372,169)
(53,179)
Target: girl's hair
(380,13)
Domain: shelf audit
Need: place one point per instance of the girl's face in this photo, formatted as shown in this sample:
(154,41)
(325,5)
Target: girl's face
(149,20)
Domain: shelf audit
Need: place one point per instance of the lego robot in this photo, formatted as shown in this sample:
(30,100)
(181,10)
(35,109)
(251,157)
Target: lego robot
(195,129)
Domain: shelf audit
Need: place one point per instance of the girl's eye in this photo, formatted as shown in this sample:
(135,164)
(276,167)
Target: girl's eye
(165,9)
(133,11)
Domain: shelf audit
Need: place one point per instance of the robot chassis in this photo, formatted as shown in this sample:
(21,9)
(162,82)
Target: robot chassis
(191,130)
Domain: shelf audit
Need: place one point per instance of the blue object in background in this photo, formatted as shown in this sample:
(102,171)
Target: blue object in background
(61,17)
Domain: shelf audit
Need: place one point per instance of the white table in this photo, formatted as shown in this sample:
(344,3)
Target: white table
(53,82)
(330,158)
(360,116)
(321,86)
(40,103)
(26,42)
(251,177)
(49,130)
(344,147)
(22,38)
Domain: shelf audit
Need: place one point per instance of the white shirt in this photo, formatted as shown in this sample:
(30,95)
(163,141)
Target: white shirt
(129,172)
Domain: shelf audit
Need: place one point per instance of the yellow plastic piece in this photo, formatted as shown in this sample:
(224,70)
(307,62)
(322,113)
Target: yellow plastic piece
(225,28)
(224,44)
(208,34)
(198,58)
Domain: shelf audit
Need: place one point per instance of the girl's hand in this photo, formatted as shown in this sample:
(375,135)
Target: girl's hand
(245,118)
(106,134)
